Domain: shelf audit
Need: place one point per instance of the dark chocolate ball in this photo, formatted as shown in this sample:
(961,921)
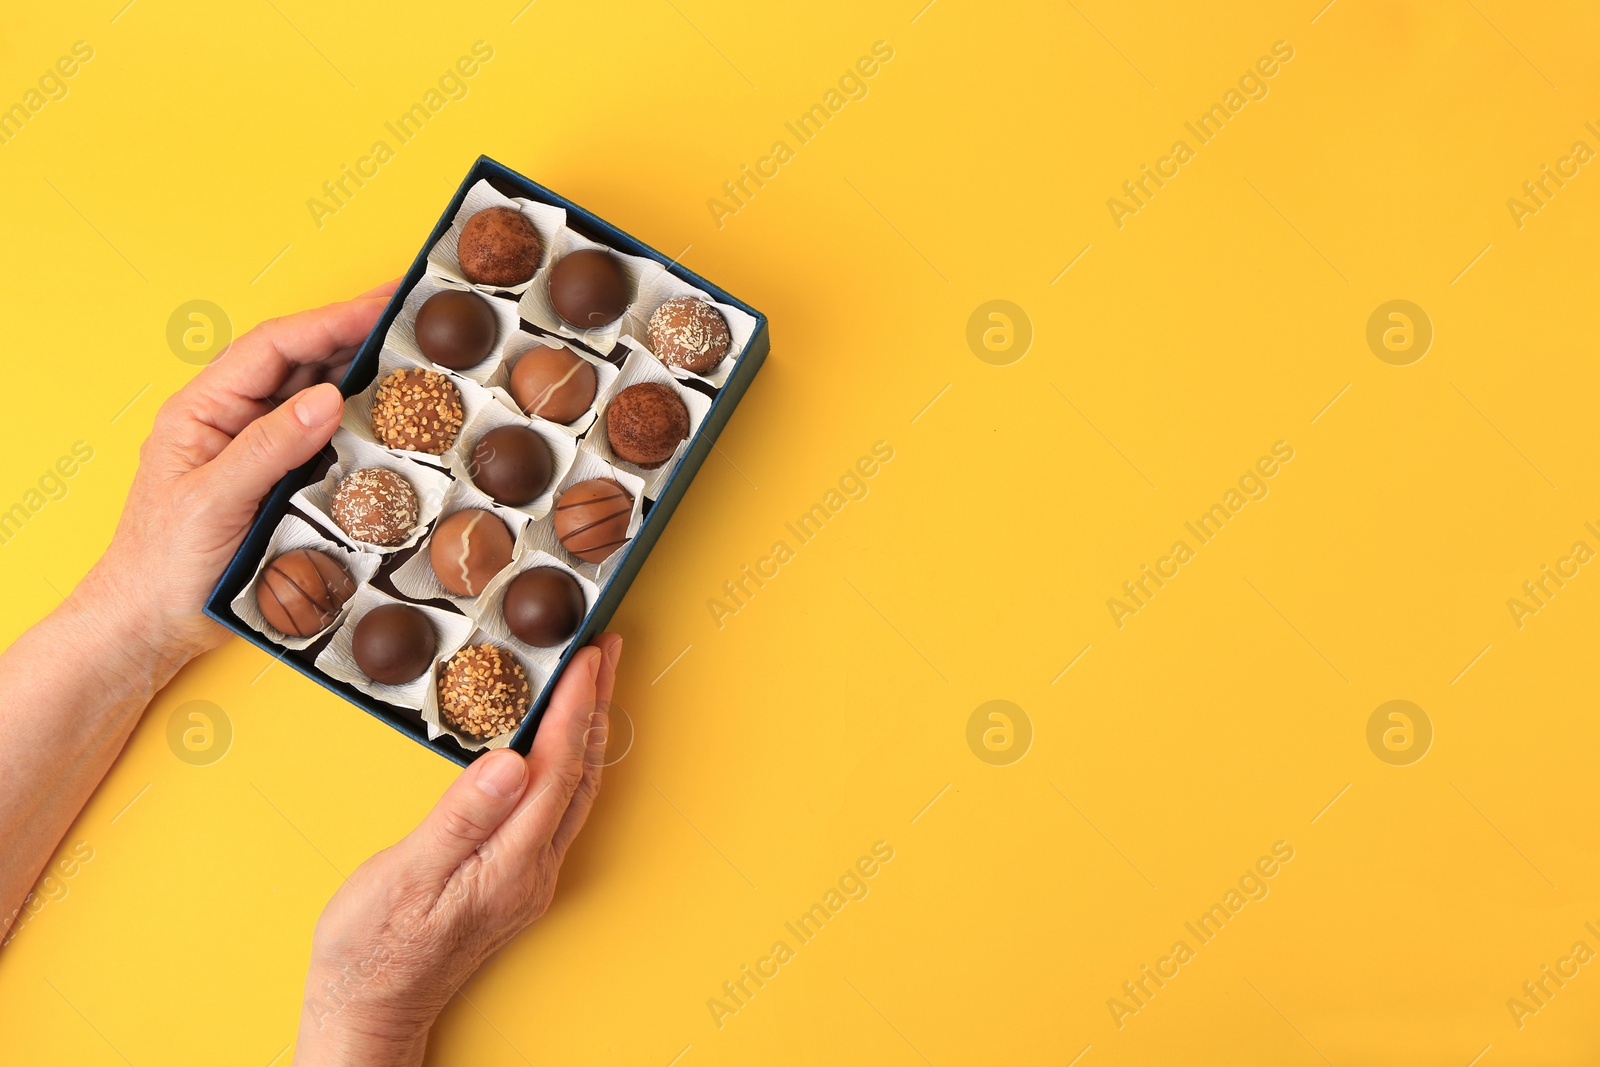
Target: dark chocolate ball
(553,384)
(645,422)
(499,246)
(467,549)
(512,464)
(418,410)
(394,643)
(456,329)
(589,289)
(543,606)
(483,692)
(591,518)
(300,592)
(687,332)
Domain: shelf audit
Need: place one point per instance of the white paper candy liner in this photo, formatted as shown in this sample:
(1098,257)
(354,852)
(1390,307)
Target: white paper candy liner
(292,533)
(563,450)
(338,660)
(355,453)
(641,366)
(535,305)
(664,286)
(549,221)
(499,383)
(416,579)
(487,612)
(402,336)
(358,409)
(537,679)
(541,536)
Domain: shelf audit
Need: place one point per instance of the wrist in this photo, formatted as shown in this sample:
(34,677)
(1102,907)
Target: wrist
(108,628)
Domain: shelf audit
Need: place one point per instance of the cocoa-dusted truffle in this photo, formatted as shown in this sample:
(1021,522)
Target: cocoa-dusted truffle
(687,332)
(393,643)
(512,464)
(300,592)
(499,246)
(589,289)
(377,506)
(645,422)
(543,606)
(553,384)
(467,549)
(483,692)
(456,329)
(417,410)
(591,518)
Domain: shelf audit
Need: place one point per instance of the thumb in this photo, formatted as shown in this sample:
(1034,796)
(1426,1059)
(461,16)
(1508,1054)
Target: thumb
(279,441)
(468,813)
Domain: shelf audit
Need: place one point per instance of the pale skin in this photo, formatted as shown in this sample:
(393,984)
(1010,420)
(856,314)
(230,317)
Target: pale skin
(414,922)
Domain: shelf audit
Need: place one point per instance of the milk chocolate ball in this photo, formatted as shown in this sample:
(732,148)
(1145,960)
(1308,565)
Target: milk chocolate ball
(553,384)
(645,422)
(687,332)
(589,289)
(377,506)
(591,518)
(456,329)
(300,592)
(483,692)
(512,464)
(417,410)
(543,606)
(394,643)
(467,549)
(499,246)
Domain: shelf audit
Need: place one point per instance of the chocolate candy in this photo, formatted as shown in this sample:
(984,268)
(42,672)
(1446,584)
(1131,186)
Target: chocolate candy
(687,332)
(553,384)
(467,549)
(543,606)
(499,246)
(512,464)
(377,506)
(645,422)
(483,692)
(417,410)
(588,288)
(455,329)
(393,644)
(300,592)
(591,518)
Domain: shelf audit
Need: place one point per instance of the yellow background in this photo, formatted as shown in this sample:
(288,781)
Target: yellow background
(826,715)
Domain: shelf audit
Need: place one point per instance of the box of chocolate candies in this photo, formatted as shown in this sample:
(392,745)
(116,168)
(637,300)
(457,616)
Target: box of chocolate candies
(518,429)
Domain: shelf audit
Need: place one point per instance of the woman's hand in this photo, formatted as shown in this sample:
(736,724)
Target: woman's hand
(415,921)
(219,444)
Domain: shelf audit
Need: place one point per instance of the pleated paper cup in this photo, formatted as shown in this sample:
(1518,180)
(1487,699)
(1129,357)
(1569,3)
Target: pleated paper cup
(541,535)
(499,383)
(316,499)
(489,609)
(656,290)
(450,630)
(641,367)
(294,532)
(402,336)
(443,258)
(536,307)
(416,579)
(437,727)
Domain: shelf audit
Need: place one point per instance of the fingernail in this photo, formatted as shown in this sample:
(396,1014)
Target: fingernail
(594,666)
(318,405)
(500,774)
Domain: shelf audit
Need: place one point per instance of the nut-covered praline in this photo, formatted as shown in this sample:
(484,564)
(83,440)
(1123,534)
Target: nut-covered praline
(393,643)
(467,549)
(300,592)
(589,289)
(553,384)
(499,246)
(645,422)
(483,692)
(377,506)
(417,410)
(456,329)
(592,518)
(543,606)
(512,464)
(687,332)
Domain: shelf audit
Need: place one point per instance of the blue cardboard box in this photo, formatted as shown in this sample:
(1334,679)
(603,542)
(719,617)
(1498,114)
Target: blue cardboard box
(361,373)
